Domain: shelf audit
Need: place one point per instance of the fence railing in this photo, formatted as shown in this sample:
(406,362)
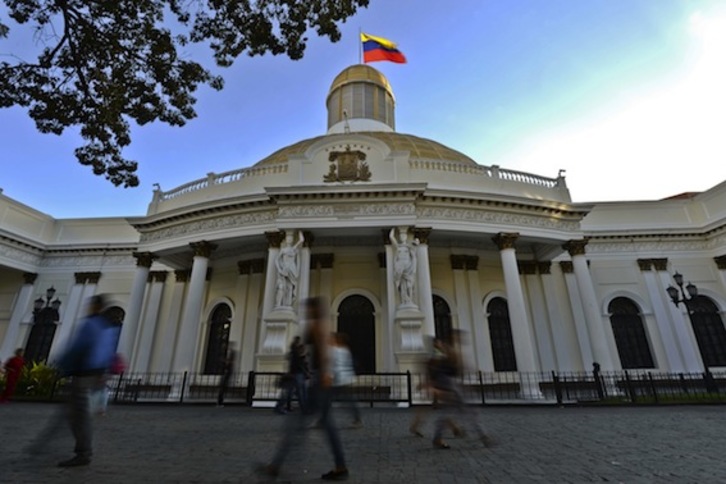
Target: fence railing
(481,388)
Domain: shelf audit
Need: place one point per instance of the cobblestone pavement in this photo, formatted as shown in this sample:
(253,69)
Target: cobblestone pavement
(191,444)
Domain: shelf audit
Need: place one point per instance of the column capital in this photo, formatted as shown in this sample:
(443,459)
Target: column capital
(257,266)
(326,261)
(275,238)
(575,247)
(505,240)
(527,267)
(471,262)
(244,267)
(157,276)
(203,248)
(544,267)
(29,277)
(645,264)
(87,277)
(144,259)
(422,234)
(309,238)
(182,275)
(381,260)
(566,266)
(660,264)
(458,262)
(720,262)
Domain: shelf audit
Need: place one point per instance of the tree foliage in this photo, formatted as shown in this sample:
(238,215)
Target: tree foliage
(105,63)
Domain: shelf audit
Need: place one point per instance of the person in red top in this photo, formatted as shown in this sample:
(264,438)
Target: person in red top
(13,369)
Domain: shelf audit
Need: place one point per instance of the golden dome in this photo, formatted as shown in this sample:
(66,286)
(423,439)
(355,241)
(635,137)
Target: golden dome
(360,73)
(420,148)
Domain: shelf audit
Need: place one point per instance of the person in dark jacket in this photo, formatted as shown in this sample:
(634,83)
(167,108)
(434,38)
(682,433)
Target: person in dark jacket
(86,360)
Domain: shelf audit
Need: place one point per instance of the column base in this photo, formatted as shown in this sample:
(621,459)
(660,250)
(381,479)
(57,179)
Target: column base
(271,363)
(278,328)
(409,331)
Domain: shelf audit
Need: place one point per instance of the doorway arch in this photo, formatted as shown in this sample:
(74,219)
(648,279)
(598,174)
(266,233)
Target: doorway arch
(357,319)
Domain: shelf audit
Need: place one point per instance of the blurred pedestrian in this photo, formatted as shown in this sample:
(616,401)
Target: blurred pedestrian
(13,370)
(320,397)
(87,359)
(344,376)
(228,362)
(295,380)
(449,374)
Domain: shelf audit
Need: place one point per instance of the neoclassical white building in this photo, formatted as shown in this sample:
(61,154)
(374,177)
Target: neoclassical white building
(404,236)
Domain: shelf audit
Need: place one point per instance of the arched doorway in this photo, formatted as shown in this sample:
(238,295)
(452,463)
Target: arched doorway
(500,330)
(356,318)
(219,324)
(709,330)
(442,319)
(629,332)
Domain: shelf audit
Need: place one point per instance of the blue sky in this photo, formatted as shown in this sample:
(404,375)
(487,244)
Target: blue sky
(628,96)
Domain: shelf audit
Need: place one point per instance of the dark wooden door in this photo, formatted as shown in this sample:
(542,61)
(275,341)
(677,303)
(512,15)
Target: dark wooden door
(356,318)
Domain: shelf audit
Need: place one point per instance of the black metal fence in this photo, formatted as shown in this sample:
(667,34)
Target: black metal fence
(482,388)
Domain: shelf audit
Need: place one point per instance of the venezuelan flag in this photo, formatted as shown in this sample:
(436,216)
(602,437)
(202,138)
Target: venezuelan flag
(380,49)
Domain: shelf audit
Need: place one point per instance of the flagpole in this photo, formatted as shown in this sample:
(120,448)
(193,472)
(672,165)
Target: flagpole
(360,46)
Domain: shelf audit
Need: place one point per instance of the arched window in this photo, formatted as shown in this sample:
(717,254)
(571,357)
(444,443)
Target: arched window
(709,330)
(116,315)
(218,340)
(500,331)
(442,319)
(630,336)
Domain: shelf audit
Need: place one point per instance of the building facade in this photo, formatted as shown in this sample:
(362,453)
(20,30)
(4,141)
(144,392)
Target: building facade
(405,237)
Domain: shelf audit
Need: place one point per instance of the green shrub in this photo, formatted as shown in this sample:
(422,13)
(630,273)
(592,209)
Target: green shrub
(37,380)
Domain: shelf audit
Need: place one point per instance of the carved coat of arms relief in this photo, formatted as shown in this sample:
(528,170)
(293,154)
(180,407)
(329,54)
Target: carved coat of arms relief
(347,166)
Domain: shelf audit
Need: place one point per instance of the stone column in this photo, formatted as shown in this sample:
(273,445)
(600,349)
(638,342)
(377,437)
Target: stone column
(22,304)
(463,307)
(163,362)
(480,325)
(540,320)
(673,358)
(275,321)
(136,301)
(304,290)
(274,240)
(423,282)
(564,345)
(252,316)
(145,340)
(578,314)
(410,345)
(521,333)
(682,327)
(721,264)
(192,313)
(326,276)
(386,318)
(593,315)
(74,309)
(237,328)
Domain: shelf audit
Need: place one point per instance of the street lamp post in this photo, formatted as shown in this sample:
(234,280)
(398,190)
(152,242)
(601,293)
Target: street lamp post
(686,297)
(45,317)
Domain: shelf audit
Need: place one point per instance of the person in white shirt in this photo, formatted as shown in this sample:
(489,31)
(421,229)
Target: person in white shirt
(344,375)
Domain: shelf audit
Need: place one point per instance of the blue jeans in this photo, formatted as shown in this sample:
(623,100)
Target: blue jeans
(294,428)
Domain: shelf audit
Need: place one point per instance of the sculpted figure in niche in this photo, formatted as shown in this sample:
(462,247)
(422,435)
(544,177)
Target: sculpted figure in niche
(404,265)
(288,270)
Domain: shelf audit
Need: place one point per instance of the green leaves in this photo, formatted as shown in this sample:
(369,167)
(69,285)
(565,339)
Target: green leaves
(107,63)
